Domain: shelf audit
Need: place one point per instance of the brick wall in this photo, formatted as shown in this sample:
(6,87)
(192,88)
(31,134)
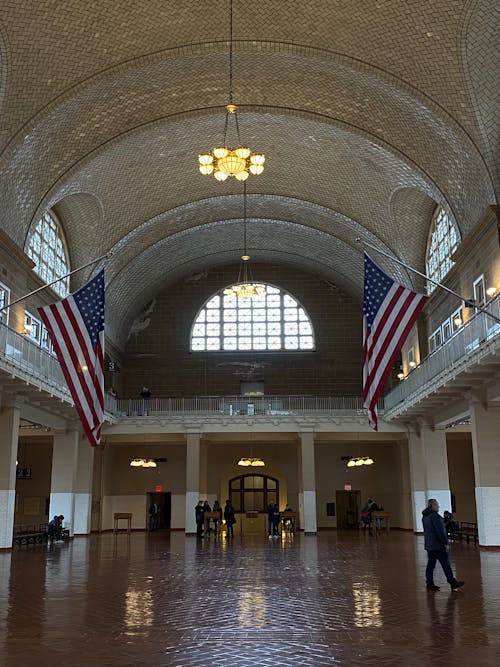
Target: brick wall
(159,356)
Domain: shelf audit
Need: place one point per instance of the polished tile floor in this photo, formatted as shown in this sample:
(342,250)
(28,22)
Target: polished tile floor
(163,599)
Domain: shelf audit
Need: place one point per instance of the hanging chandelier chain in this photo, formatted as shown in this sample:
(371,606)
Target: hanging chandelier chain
(244,218)
(230,51)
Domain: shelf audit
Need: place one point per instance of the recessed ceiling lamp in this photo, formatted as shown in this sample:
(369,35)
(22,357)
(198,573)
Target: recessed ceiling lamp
(360,461)
(245,287)
(222,161)
(143,463)
(255,462)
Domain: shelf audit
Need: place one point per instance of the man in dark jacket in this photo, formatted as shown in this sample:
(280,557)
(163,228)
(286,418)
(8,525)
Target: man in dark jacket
(436,545)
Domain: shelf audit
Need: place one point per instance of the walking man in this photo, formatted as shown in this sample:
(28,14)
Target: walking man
(436,545)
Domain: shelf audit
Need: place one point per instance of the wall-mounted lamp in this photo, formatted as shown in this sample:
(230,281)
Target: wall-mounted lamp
(457,321)
(491,291)
(401,376)
(28,328)
(412,364)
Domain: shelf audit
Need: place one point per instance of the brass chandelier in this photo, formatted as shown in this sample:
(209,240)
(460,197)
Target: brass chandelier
(254,462)
(222,161)
(245,287)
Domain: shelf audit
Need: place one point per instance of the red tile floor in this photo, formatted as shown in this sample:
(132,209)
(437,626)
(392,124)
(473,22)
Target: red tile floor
(163,599)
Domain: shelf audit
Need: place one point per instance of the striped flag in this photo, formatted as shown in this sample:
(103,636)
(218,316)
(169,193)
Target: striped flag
(389,312)
(76,328)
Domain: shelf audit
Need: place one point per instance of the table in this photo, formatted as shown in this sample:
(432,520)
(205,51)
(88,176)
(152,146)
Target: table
(126,517)
(290,518)
(382,515)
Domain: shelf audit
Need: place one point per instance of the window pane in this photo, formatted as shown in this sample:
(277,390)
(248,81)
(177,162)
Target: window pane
(45,245)
(271,483)
(228,323)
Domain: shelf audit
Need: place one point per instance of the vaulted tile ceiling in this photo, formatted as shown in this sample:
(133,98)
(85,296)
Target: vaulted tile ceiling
(369,114)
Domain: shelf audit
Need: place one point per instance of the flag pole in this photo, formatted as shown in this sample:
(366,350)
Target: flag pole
(469,303)
(39,289)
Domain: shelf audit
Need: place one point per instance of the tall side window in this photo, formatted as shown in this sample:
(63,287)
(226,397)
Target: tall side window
(479,291)
(46,246)
(274,321)
(4,301)
(444,239)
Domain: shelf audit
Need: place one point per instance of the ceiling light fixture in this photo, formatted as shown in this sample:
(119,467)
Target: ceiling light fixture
(256,462)
(360,461)
(245,287)
(143,463)
(222,161)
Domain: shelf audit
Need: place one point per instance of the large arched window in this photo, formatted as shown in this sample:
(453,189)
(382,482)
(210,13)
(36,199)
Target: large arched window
(443,241)
(274,321)
(46,246)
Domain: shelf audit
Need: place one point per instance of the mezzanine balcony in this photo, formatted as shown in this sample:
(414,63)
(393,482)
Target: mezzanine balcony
(469,358)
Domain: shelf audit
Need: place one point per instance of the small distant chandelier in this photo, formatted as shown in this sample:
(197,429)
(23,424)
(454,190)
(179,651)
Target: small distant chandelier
(255,462)
(245,287)
(143,463)
(360,461)
(222,161)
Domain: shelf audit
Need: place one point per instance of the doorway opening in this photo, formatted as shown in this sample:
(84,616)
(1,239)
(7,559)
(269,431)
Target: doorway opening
(348,509)
(160,520)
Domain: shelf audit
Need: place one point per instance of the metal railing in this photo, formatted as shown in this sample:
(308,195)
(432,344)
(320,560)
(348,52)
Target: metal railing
(21,353)
(234,406)
(469,339)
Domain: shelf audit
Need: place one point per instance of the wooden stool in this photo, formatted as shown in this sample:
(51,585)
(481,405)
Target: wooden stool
(122,515)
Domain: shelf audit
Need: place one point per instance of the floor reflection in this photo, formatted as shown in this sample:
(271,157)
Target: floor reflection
(367,605)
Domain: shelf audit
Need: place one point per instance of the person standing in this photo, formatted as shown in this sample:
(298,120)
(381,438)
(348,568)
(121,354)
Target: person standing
(198,514)
(273,517)
(229,516)
(217,508)
(154,516)
(436,545)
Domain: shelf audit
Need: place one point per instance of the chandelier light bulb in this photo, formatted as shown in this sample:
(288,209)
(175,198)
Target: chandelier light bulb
(220,175)
(351,463)
(359,462)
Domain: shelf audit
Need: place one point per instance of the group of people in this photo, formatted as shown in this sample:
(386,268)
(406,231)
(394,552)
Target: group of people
(203,527)
(367,515)
(274,516)
(55,529)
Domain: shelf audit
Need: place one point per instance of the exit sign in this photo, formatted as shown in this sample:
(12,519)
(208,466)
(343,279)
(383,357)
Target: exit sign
(159,488)
(347,487)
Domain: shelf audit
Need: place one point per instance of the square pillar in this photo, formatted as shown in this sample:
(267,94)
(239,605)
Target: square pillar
(83,487)
(428,471)
(9,429)
(63,481)
(486,454)
(308,474)
(192,480)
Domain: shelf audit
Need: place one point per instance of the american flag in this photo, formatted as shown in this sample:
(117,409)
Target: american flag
(389,312)
(76,328)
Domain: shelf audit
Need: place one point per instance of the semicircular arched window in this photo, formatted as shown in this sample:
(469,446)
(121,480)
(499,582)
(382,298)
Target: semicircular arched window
(444,239)
(274,321)
(46,246)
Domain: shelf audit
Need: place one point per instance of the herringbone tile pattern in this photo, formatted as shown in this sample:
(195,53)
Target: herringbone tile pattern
(338,599)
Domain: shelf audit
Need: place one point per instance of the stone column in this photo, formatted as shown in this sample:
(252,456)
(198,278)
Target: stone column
(417,479)
(192,480)
(428,471)
(436,466)
(308,481)
(63,482)
(9,428)
(83,488)
(486,453)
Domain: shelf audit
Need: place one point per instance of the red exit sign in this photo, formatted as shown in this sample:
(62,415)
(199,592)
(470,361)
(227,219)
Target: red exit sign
(347,487)
(159,488)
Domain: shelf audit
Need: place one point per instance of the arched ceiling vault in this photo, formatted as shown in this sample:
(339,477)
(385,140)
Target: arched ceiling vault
(369,116)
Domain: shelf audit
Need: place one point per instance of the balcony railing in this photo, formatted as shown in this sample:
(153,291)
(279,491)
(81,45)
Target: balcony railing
(469,339)
(234,406)
(21,353)
(18,352)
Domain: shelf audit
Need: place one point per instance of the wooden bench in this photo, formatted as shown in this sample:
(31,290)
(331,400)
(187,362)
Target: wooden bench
(467,531)
(27,534)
